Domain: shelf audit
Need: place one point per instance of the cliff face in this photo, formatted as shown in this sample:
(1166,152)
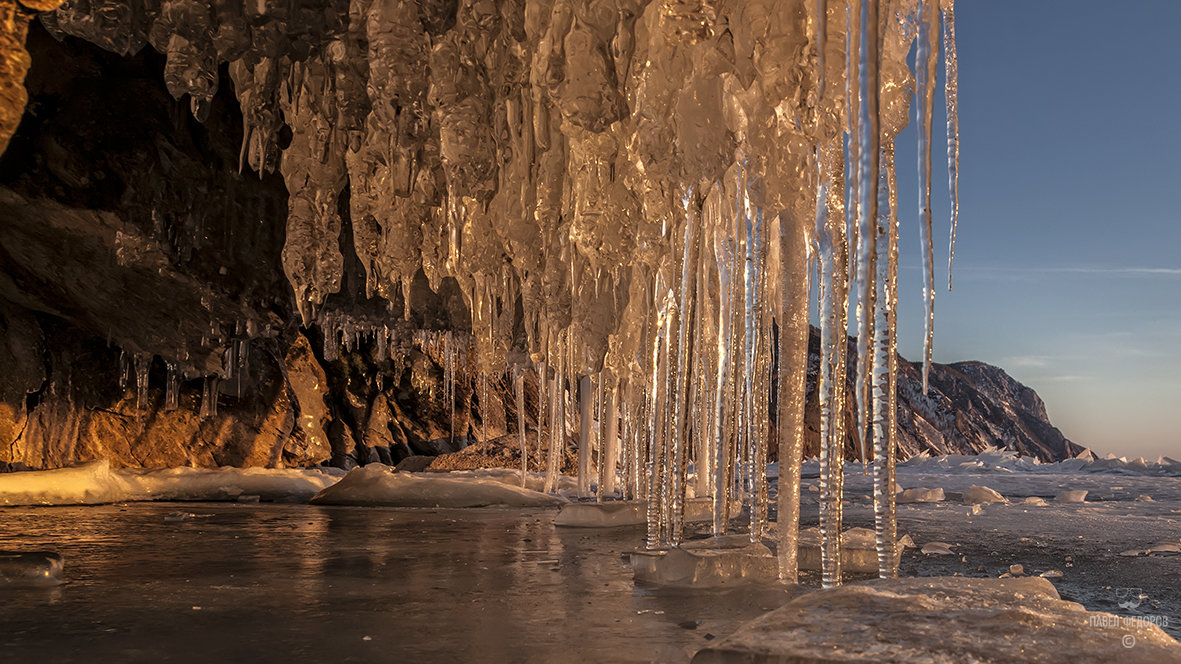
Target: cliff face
(969,406)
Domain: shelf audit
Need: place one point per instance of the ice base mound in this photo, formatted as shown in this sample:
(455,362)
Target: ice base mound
(710,563)
(30,569)
(620,513)
(96,482)
(943,619)
(378,485)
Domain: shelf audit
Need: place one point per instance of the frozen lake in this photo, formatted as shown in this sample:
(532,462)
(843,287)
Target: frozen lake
(269,583)
(272,582)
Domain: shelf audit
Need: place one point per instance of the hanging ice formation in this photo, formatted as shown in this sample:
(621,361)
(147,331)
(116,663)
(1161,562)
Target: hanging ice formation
(628,193)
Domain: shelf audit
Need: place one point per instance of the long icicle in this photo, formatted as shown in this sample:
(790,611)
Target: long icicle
(519,388)
(585,421)
(681,389)
(951,96)
(724,251)
(885,526)
(925,59)
(867,176)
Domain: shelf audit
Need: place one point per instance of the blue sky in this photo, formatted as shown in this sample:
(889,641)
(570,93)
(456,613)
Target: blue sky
(1068,261)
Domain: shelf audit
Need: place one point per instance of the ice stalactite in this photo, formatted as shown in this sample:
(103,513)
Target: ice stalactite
(519,391)
(794,260)
(869,141)
(725,253)
(951,97)
(585,423)
(885,525)
(143,364)
(610,441)
(833,292)
(172,386)
(209,394)
(925,60)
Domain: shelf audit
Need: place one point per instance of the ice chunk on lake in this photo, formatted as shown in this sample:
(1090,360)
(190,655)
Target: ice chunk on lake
(937,549)
(1072,496)
(920,495)
(976,495)
(943,619)
(30,569)
(1034,501)
(859,554)
(378,485)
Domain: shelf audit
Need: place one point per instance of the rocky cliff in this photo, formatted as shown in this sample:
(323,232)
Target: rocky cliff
(968,406)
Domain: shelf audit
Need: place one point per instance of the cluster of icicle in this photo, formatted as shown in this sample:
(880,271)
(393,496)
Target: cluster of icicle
(136,367)
(645,184)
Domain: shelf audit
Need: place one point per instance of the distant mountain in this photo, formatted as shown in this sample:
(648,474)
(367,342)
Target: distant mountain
(970,405)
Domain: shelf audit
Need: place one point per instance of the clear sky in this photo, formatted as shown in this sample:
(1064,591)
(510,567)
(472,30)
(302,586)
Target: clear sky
(1068,261)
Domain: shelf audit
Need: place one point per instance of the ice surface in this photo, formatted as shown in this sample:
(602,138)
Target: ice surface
(1072,496)
(96,482)
(380,485)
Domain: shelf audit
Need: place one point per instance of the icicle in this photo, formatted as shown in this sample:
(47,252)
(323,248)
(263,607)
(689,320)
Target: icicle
(821,38)
(484,403)
(124,371)
(557,435)
(681,388)
(792,376)
(885,525)
(658,480)
(143,363)
(599,433)
(724,251)
(519,388)
(209,397)
(925,60)
(830,232)
(449,380)
(542,380)
(585,420)
(951,96)
(869,148)
(172,387)
(610,440)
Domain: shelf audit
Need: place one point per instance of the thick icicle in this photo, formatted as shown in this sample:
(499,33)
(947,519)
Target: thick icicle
(143,363)
(867,185)
(209,397)
(792,381)
(925,59)
(585,421)
(681,388)
(172,386)
(885,525)
(725,253)
(610,441)
(951,96)
(519,389)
